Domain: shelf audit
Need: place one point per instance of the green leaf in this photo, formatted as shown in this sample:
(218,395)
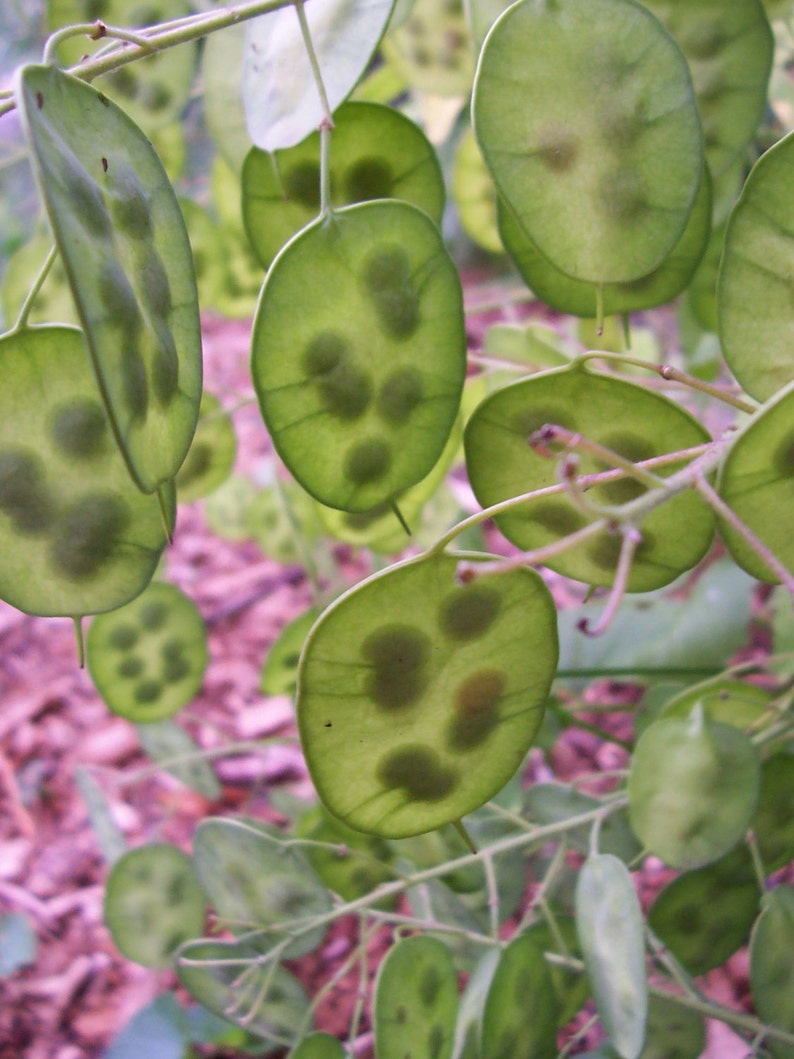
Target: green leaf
(622,416)
(609,922)
(571,988)
(705,915)
(153,903)
(166,743)
(120,233)
(256,882)
(416,1000)
(771,970)
(754,288)
(520,1016)
(376,153)
(148,659)
(410,679)
(83,538)
(693,789)
(599,152)
(280,96)
(673,1031)
(364,404)
(17,943)
(757,482)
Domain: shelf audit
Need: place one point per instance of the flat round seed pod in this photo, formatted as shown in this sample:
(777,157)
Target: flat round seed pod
(754,287)
(756,481)
(270,1002)
(356,866)
(83,538)
(172,748)
(319,1046)
(729,49)
(376,153)
(121,237)
(705,915)
(475,196)
(153,903)
(771,970)
(773,823)
(54,301)
(570,988)
(280,671)
(433,49)
(153,91)
(728,701)
(595,144)
(147,659)
(416,1000)
(254,881)
(412,680)
(673,1031)
(693,789)
(364,402)
(520,1016)
(635,422)
(568,295)
(211,454)
(610,928)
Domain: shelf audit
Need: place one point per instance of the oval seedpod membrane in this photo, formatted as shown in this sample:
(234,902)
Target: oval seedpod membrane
(280,671)
(571,988)
(610,928)
(756,481)
(693,789)
(521,1010)
(552,803)
(432,49)
(771,969)
(153,903)
(280,97)
(230,979)
(729,49)
(418,698)
(319,1045)
(376,153)
(673,1031)
(120,233)
(416,1000)
(754,287)
(619,415)
(704,916)
(353,864)
(211,455)
(255,882)
(474,195)
(596,144)
(171,747)
(153,92)
(148,659)
(360,391)
(80,537)
(773,824)
(579,298)
(728,701)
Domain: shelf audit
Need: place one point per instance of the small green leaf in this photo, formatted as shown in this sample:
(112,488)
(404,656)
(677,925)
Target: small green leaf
(520,1016)
(693,789)
(673,1031)
(171,747)
(609,923)
(148,659)
(416,1000)
(153,903)
(410,679)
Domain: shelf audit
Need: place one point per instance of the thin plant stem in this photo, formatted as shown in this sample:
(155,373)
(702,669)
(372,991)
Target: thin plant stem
(363,980)
(492,888)
(628,547)
(579,443)
(580,1034)
(30,298)
(95,31)
(715,501)
(758,864)
(468,569)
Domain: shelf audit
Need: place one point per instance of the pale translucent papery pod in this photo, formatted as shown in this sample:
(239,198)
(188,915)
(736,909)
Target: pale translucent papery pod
(280,96)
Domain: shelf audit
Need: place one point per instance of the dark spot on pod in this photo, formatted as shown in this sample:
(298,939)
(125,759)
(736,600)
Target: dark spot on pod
(176,891)
(123,637)
(631,447)
(783,459)
(134,383)
(509,1045)
(621,195)
(476,709)
(324,353)
(557,147)
(399,656)
(129,204)
(302,184)
(165,369)
(24,496)
(197,464)
(526,421)
(604,550)
(87,201)
(401,1014)
(557,517)
(86,534)
(369,178)
(104,164)
(155,96)
(79,429)
(346,390)
(155,288)
(368,462)
(153,616)
(469,612)
(118,299)
(401,392)
(131,668)
(123,82)
(175,670)
(387,277)
(147,692)
(623,127)
(435,1041)
(429,985)
(704,40)
(418,771)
